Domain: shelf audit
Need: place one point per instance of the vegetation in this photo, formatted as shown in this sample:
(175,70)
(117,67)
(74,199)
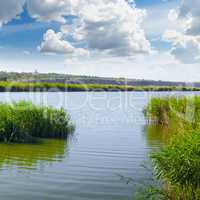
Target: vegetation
(182,112)
(53,87)
(77,79)
(24,122)
(177,164)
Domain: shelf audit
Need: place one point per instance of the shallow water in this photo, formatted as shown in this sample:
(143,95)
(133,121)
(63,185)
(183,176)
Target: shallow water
(109,142)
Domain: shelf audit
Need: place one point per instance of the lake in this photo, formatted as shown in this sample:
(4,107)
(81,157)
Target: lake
(110,142)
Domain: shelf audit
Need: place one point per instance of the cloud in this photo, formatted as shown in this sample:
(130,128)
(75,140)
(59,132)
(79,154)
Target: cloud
(54,43)
(157,66)
(185,38)
(172,15)
(191,8)
(45,10)
(111,27)
(10,9)
(50,10)
(185,48)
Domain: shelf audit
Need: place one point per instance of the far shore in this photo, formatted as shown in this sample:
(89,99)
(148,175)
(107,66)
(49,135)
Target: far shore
(6,86)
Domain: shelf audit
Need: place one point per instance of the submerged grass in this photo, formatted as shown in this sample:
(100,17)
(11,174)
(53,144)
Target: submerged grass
(23,122)
(177,164)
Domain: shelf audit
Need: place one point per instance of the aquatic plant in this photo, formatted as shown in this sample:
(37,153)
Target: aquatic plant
(24,122)
(56,86)
(178,164)
(178,111)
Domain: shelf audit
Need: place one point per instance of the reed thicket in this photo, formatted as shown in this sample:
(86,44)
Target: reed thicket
(178,163)
(174,111)
(23,122)
(56,86)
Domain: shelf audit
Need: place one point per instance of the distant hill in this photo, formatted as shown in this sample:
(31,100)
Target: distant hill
(74,79)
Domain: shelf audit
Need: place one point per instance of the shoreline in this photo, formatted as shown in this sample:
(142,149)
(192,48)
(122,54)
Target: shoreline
(62,87)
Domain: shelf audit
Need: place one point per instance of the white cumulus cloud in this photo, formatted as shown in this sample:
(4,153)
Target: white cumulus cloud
(50,10)
(185,48)
(10,9)
(111,27)
(54,43)
(185,38)
(191,8)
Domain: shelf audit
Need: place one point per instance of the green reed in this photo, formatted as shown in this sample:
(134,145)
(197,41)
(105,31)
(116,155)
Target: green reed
(174,110)
(24,122)
(56,86)
(177,164)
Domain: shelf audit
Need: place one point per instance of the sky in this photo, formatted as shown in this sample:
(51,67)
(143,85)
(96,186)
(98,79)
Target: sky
(142,39)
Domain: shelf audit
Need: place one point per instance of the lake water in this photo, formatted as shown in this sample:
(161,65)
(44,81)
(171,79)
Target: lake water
(109,143)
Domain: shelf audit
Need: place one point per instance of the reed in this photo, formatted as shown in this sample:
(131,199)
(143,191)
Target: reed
(24,122)
(177,164)
(179,111)
(49,86)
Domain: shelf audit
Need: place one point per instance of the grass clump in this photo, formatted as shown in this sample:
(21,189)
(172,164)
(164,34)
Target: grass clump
(23,122)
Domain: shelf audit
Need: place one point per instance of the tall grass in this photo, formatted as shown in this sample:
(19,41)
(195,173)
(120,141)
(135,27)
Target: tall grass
(47,86)
(23,122)
(183,111)
(178,163)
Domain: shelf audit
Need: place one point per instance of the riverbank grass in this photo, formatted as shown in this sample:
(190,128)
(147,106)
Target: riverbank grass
(24,122)
(177,164)
(6,86)
(179,111)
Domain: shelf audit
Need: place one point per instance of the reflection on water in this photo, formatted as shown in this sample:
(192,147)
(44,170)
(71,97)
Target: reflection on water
(29,156)
(109,142)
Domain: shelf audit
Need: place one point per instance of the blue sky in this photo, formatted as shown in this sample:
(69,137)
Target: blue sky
(26,33)
(103,38)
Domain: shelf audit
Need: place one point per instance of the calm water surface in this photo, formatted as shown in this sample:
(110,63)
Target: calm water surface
(109,142)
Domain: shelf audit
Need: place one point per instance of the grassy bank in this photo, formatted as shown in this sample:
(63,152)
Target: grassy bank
(178,162)
(43,87)
(182,112)
(24,122)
